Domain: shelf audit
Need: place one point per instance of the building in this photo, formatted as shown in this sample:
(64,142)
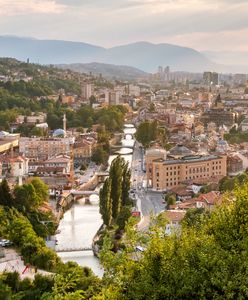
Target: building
(218,116)
(207,201)
(14,166)
(164,174)
(8,141)
(151,155)
(87,90)
(234,165)
(38,148)
(113,97)
(83,151)
(174,218)
(33,119)
(244,125)
(210,78)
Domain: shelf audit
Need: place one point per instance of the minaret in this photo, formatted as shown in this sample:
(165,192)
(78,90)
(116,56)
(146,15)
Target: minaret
(64,124)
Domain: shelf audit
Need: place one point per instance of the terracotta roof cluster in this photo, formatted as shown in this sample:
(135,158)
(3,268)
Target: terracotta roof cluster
(206,200)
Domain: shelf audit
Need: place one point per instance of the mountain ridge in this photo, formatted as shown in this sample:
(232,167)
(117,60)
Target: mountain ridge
(141,55)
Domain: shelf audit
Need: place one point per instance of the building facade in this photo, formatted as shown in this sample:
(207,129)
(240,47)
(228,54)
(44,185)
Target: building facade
(44,148)
(168,173)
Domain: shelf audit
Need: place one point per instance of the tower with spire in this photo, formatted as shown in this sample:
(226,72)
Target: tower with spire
(64,123)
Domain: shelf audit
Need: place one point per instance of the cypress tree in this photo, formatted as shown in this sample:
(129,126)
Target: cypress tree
(126,176)
(115,175)
(6,197)
(105,203)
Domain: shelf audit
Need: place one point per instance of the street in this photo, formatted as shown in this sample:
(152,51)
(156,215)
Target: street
(147,202)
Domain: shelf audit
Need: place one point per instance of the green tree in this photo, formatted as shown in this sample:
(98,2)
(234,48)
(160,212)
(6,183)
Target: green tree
(115,175)
(6,197)
(99,156)
(126,184)
(170,198)
(105,203)
(41,189)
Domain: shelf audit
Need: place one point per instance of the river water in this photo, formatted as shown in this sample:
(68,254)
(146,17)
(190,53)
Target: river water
(81,222)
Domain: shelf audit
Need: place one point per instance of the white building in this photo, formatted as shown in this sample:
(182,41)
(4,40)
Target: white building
(87,90)
(244,125)
(174,218)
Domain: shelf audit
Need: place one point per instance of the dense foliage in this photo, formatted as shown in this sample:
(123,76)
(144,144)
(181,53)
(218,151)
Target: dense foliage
(148,132)
(208,260)
(71,282)
(114,195)
(37,95)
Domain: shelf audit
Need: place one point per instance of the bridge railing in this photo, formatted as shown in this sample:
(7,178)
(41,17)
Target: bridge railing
(79,249)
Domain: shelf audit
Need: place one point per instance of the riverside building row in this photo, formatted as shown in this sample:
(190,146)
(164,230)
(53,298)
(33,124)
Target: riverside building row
(165,171)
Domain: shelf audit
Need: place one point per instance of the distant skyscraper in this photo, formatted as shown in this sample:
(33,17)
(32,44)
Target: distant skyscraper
(211,78)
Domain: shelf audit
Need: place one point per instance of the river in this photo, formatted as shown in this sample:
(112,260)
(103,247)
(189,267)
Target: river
(81,222)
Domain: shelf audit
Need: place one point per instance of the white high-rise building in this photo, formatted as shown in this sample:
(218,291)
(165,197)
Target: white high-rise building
(87,90)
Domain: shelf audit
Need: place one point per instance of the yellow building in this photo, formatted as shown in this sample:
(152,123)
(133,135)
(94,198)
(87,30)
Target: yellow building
(164,174)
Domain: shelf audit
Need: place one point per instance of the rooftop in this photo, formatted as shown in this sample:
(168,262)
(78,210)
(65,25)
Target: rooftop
(188,159)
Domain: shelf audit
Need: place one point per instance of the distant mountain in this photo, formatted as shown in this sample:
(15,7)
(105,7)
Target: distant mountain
(107,70)
(141,55)
(232,61)
(47,51)
(147,56)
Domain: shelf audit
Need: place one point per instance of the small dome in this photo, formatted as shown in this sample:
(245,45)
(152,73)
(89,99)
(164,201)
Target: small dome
(156,152)
(222,143)
(180,151)
(59,132)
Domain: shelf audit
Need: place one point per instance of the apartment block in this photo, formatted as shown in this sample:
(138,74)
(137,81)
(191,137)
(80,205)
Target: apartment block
(44,148)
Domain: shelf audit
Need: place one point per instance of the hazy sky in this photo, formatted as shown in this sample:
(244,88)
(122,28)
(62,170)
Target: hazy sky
(201,24)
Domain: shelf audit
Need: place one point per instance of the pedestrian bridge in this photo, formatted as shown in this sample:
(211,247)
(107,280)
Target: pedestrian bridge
(73,249)
(84,193)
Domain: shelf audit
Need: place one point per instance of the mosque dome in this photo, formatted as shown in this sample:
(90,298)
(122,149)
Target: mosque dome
(180,151)
(59,132)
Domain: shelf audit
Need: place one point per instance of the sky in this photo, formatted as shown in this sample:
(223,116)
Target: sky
(212,25)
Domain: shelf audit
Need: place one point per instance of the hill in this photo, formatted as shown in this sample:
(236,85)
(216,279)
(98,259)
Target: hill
(107,70)
(147,56)
(142,55)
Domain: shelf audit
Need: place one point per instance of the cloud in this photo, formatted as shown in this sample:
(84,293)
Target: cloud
(194,23)
(20,7)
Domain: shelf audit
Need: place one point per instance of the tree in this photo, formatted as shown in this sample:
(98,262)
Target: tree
(195,217)
(114,195)
(150,131)
(105,203)
(207,261)
(123,216)
(99,156)
(170,199)
(126,184)
(41,190)
(115,175)
(6,197)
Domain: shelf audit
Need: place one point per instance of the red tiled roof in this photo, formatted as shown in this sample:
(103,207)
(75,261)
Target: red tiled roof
(174,215)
